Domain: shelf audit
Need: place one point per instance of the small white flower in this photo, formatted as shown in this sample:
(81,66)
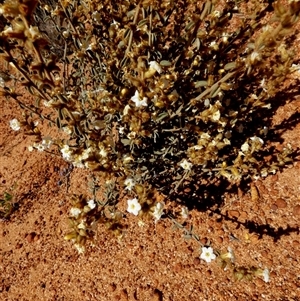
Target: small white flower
(245,147)
(103,152)
(30,148)
(39,147)
(184,212)
(15,124)
(158,211)
(75,212)
(186,165)
(77,161)
(207,254)
(134,206)
(129,183)
(67,130)
(91,204)
(154,65)
(46,142)
(121,130)
(66,152)
(139,102)
(257,139)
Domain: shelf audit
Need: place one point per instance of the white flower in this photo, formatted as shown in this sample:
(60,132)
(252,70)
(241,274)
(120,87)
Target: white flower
(30,148)
(15,124)
(46,142)
(75,212)
(39,147)
(121,130)
(91,204)
(257,139)
(103,152)
(77,161)
(207,254)
(184,212)
(245,147)
(134,206)
(67,130)
(129,183)
(186,165)
(66,152)
(139,102)
(154,65)
(158,211)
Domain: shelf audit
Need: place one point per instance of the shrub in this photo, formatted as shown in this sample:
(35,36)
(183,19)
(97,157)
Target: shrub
(175,97)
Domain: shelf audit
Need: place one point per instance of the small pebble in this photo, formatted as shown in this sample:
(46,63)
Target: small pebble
(274,207)
(196,261)
(30,237)
(296,210)
(281,203)
(233,213)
